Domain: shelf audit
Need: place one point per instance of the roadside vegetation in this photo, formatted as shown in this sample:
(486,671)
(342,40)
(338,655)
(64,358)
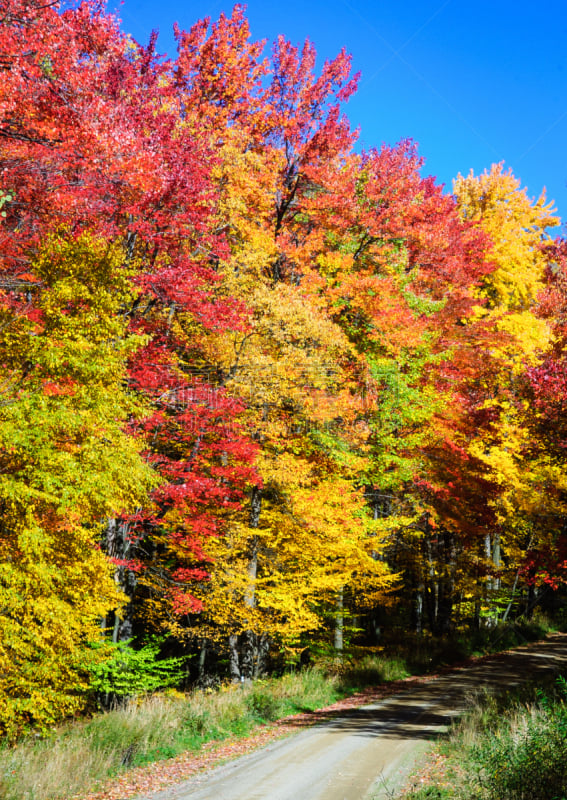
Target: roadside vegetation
(512,747)
(80,755)
(72,760)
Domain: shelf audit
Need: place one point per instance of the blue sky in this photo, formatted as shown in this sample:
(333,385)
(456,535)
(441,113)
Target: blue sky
(471,83)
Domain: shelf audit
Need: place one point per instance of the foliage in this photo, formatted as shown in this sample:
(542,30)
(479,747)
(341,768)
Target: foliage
(130,672)
(516,225)
(66,463)
(255,383)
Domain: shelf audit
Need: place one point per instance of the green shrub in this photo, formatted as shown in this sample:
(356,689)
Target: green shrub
(526,759)
(130,672)
(264,705)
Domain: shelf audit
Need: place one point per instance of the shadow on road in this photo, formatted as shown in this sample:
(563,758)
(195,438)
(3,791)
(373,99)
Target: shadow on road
(424,712)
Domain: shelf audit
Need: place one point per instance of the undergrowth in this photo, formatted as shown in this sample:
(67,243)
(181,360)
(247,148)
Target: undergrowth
(83,754)
(509,748)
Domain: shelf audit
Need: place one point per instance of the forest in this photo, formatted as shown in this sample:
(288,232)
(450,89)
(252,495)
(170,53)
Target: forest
(263,393)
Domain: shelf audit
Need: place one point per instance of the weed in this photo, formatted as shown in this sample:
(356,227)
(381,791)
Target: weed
(506,749)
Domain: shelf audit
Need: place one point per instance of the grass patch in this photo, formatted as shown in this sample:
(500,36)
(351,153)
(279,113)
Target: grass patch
(373,669)
(81,755)
(506,748)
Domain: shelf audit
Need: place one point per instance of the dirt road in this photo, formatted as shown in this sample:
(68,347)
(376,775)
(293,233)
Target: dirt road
(366,752)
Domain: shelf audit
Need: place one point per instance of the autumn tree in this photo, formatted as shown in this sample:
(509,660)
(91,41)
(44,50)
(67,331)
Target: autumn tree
(289,369)
(543,390)
(67,462)
(282,141)
(517,227)
(97,151)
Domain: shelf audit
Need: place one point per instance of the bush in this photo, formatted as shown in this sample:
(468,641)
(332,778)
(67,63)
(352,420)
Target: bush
(526,759)
(264,705)
(130,673)
(503,749)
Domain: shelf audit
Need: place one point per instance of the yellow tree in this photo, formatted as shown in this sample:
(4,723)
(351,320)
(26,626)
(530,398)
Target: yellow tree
(66,463)
(517,227)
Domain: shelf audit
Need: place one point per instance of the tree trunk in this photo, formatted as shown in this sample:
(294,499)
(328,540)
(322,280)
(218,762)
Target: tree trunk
(248,659)
(531,600)
(488,557)
(512,596)
(492,553)
(432,584)
(233,658)
(262,650)
(202,661)
(249,640)
(339,626)
(446,583)
(118,545)
(418,625)
(496,558)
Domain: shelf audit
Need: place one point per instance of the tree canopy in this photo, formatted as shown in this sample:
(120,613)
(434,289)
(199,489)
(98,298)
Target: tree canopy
(257,382)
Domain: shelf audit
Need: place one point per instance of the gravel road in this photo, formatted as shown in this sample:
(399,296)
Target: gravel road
(366,752)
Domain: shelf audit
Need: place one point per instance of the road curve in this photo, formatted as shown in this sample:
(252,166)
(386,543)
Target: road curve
(365,752)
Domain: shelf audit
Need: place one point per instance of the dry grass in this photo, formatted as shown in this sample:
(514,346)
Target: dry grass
(56,769)
(80,755)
